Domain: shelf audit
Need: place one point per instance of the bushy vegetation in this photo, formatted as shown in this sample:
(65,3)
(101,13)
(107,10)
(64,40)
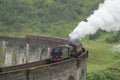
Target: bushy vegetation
(51,17)
(103,61)
(101,75)
(59,18)
(114,39)
(96,35)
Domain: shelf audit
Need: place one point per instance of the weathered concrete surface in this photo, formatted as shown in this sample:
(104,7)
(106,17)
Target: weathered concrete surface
(75,67)
(21,51)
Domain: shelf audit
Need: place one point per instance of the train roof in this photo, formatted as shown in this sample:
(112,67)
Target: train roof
(48,38)
(37,35)
(55,39)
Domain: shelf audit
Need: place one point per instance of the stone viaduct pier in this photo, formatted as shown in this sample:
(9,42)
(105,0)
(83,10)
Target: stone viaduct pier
(23,59)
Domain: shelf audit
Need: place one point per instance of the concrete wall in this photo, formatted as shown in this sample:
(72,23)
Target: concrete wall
(55,71)
(19,50)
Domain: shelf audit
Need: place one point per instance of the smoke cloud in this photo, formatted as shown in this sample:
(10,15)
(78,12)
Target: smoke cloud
(107,17)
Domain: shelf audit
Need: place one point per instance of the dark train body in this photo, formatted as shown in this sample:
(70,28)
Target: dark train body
(66,48)
(56,55)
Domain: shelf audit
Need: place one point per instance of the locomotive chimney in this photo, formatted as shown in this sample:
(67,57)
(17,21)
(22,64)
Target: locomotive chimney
(75,42)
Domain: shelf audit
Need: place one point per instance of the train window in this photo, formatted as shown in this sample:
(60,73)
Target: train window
(79,48)
(65,52)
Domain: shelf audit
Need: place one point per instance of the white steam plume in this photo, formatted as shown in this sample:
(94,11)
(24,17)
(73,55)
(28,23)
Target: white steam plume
(107,17)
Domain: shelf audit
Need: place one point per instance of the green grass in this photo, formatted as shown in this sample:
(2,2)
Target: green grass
(28,1)
(101,75)
(101,54)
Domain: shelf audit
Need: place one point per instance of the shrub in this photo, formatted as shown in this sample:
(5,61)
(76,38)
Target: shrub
(96,35)
(113,39)
(101,75)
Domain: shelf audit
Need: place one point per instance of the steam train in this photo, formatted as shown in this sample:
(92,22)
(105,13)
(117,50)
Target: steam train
(66,48)
(66,51)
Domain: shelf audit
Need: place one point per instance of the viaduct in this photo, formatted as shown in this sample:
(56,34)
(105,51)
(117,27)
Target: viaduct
(21,59)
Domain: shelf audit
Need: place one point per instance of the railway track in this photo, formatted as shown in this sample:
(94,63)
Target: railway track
(38,65)
(27,65)
(24,66)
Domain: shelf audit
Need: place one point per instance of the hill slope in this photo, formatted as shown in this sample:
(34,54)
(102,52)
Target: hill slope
(59,18)
(102,57)
(50,17)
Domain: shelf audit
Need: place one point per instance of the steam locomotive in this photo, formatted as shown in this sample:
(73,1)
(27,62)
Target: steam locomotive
(66,49)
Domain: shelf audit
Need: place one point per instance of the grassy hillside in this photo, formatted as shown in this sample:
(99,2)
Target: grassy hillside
(102,57)
(59,18)
(50,17)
